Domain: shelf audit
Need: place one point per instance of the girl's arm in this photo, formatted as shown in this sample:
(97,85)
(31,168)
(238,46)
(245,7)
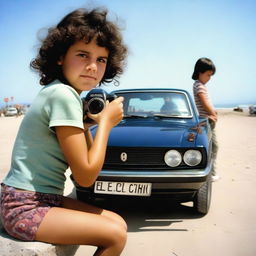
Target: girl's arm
(212,114)
(85,160)
(88,138)
(88,135)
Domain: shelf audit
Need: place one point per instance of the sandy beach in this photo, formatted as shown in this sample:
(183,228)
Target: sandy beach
(230,226)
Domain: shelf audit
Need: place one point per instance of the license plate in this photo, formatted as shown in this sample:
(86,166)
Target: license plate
(123,188)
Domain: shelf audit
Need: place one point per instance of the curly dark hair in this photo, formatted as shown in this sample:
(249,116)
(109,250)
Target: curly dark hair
(79,25)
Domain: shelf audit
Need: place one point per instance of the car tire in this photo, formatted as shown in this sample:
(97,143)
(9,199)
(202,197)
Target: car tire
(202,198)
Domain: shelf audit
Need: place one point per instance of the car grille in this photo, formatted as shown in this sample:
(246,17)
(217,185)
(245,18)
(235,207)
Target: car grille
(143,158)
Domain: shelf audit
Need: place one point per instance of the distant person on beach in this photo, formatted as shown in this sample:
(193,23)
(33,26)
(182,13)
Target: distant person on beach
(203,71)
(83,51)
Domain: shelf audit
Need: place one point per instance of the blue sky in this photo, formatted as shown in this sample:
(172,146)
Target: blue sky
(165,38)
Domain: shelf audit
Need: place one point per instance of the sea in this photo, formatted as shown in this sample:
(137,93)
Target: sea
(233,105)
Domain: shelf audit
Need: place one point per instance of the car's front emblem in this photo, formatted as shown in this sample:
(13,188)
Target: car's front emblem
(123,157)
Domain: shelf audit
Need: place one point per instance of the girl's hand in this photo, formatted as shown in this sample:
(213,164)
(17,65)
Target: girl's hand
(112,114)
(214,118)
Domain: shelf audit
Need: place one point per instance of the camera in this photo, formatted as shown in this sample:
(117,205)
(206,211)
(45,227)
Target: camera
(95,101)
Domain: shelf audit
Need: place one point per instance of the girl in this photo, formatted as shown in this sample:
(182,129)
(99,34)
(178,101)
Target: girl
(203,71)
(82,51)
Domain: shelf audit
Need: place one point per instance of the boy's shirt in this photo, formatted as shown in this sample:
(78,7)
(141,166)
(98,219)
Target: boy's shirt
(198,87)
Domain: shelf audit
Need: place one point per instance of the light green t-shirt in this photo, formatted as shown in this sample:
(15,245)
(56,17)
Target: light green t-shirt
(38,163)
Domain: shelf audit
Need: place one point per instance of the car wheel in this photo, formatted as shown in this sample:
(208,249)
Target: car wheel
(202,198)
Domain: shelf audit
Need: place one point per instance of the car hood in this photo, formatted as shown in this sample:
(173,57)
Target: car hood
(152,136)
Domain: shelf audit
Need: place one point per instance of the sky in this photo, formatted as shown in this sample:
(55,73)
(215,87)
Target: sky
(164,37)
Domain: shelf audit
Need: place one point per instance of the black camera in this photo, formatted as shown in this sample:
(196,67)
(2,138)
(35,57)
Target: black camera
(95,101)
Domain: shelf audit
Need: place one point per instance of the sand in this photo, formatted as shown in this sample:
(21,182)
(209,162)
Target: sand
(166,230)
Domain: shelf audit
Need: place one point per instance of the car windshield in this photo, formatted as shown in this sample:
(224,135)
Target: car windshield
(156,104)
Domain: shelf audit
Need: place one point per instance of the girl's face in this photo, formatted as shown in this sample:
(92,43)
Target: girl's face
(205,77)
(84,65)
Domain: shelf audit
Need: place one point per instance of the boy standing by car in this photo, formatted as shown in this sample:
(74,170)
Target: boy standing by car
(204,69)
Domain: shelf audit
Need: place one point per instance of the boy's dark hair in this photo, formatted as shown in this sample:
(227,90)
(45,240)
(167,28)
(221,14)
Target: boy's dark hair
(82,25)
(203,65)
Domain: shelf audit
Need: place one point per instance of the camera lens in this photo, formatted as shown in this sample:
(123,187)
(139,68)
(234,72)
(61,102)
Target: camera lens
(96,105)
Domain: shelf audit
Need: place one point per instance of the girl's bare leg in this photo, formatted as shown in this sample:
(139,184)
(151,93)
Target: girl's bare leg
(74,204)
(80,223)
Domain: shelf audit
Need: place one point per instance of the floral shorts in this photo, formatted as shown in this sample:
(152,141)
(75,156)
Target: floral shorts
(21,212)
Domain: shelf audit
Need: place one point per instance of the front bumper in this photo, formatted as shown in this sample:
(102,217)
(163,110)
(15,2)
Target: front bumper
(176,183)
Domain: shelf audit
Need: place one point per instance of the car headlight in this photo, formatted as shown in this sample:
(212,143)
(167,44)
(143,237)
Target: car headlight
(192,157)
(172,158)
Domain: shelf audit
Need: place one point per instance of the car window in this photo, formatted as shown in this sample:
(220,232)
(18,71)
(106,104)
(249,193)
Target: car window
(138,105)
(156,103)
(11,109)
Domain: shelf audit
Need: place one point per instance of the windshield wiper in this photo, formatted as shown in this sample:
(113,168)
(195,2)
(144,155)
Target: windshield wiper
(166,116)
(135,116)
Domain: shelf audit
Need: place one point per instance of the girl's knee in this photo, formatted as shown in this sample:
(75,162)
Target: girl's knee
(118,234)
(123,223)
(117,218)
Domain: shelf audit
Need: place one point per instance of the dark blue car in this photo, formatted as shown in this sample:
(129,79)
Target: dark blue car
(161,148)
